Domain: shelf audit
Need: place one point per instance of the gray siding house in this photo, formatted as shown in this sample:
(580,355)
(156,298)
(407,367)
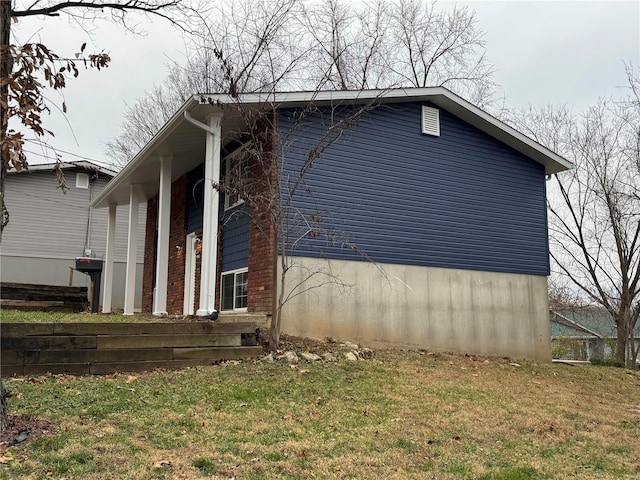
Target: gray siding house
(419,220)
(47,229)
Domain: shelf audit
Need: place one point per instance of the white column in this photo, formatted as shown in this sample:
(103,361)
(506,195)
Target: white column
(132,247)
(162,247)
(210,220)
(107,284)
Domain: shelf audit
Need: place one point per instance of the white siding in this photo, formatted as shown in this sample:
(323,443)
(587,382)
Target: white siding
(46,223)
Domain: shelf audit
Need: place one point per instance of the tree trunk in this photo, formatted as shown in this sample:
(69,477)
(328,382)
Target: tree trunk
(4,418)
(622,339)
(5,69)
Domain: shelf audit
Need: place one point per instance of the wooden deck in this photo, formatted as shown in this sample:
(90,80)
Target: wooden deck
(104,348)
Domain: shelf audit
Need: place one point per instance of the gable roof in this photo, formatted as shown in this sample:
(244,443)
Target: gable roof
(185,142)
(584,322)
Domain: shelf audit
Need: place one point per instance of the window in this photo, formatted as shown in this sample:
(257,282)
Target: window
(82,180)
(234,290)
(236,176)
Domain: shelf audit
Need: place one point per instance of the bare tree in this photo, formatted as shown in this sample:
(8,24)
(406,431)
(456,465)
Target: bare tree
(443,48)
(263,46)
(27,71)
(595,209)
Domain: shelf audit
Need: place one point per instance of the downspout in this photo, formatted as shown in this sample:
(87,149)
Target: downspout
(87,237)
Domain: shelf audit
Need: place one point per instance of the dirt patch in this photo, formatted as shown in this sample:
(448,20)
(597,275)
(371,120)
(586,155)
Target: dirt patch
(22,428)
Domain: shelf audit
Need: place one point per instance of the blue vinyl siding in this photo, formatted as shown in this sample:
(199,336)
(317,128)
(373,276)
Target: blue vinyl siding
(461,200)
(234,223)
(235,238)
(195,198)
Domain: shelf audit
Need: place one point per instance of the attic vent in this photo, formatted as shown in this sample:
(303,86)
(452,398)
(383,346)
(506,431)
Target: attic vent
(431,121)
(82,180)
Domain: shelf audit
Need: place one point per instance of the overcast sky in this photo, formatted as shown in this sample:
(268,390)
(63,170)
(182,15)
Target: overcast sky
(545,52)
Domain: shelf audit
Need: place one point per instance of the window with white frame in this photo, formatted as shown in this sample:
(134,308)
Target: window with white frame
(234,290)
(236,176)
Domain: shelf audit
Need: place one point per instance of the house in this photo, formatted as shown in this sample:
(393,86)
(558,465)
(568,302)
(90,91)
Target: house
(586,333)
(418,220)
(47,228)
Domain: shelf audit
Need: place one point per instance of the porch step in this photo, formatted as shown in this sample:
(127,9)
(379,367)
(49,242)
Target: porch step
(103,348)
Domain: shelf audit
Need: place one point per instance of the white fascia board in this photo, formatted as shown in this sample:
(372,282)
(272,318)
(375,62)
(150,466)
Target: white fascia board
(101,201)
(553,162)
(84,164)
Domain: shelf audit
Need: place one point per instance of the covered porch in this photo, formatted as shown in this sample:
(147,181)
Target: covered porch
(196,134)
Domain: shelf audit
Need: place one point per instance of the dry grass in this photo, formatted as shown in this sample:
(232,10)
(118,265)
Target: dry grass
(399,415)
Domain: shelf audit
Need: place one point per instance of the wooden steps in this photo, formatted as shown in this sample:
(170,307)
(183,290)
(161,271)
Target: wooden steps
(27,296)
(104,348)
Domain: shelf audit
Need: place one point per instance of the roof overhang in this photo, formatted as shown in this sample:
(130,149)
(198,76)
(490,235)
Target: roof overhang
(185,142)
(81,165)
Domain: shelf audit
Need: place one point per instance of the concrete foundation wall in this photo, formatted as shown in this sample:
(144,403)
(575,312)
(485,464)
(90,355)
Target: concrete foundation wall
(438,309)
(55,271)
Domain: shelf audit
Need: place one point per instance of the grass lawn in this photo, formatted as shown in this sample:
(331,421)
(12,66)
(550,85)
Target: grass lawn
(399,415)
(65,317)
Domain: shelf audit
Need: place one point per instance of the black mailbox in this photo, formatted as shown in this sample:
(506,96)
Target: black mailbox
(86,264)
(93,268)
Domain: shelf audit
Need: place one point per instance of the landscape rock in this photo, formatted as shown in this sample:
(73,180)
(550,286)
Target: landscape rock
(352,357)
(310,357)
(329,357)
(349,345)
(267,358)
(365,353)
(291,357)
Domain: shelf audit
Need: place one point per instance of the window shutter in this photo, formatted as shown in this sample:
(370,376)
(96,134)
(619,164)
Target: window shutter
(431,121)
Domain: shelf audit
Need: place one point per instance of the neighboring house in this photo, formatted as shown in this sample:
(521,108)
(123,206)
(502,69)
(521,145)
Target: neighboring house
(47,228)
(428,212)
(587,333)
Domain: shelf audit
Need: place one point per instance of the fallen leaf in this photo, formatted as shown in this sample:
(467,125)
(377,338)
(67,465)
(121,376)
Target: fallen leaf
(162,464)
(6,458)
(131,378)
(304,370)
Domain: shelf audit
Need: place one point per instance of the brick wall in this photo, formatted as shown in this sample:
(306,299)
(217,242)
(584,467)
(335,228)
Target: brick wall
(148,277)
(177,237)
(262,250)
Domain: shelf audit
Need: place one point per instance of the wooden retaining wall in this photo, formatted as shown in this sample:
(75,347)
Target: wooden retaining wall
(104,348)
(27,296)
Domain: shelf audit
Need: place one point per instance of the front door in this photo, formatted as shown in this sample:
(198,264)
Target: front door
(190,275)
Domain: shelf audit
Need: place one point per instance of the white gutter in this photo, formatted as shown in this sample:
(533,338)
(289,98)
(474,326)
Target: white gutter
(203,126)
